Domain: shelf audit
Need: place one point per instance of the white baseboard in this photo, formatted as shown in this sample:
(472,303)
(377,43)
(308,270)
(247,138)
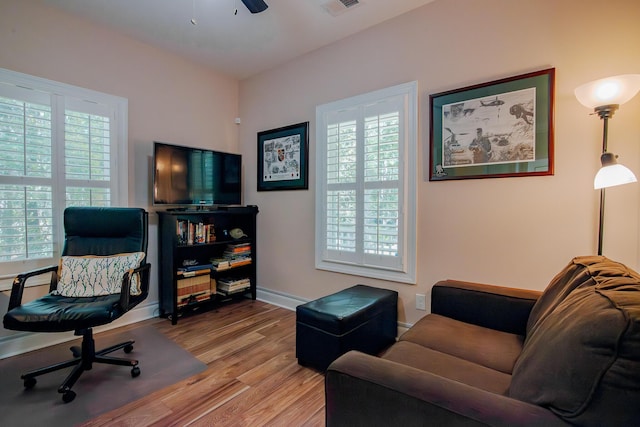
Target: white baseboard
(290,302)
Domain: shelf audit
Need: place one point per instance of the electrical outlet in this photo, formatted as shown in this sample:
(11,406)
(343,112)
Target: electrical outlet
(421,302)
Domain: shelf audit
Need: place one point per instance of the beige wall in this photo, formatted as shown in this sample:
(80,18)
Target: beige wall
(170,99)
(512,231)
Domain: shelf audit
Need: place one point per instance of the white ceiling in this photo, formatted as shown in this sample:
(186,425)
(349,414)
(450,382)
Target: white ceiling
(241,44)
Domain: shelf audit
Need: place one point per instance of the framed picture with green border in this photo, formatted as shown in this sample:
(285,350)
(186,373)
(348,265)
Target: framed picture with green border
(283,158)
(502,128)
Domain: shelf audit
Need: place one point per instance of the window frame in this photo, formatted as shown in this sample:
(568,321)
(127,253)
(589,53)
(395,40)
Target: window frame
(65,97)
(406,272)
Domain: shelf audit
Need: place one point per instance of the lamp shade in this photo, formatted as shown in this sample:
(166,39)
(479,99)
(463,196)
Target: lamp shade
(607,91)
(613,174)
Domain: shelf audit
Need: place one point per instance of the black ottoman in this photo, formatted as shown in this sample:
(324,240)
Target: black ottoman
(358,318)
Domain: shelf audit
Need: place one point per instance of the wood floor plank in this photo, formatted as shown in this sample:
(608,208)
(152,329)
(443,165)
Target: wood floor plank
(252,376)
(303,411)
(258,404)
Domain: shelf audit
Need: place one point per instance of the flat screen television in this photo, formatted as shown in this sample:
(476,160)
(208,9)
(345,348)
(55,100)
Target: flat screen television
(185,176)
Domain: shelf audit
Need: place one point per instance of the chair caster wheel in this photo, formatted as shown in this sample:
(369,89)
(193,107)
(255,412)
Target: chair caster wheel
(128,348)
(29,382)
(135,371)
(68,396)
(76,351)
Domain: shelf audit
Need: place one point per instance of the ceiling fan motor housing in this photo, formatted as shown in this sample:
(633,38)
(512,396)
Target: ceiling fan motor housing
(255,6)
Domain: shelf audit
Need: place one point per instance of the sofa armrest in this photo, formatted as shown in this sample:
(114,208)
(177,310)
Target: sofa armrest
(495,307)
(364,390)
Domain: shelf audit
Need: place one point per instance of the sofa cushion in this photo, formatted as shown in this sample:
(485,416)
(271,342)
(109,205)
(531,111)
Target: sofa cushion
(487,347)
(571,277)
(448,366)
(581,358)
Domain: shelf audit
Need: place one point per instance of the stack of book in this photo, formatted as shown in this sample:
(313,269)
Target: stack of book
(194,270)
(194,286)
(191,233)
(220,264)
(238,254)
(231,285)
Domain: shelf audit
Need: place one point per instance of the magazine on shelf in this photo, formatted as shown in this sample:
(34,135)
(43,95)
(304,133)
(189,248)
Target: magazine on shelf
(224,289)
(231,285)
(227,262)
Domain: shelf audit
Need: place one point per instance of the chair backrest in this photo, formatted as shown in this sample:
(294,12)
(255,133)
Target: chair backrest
(104,231)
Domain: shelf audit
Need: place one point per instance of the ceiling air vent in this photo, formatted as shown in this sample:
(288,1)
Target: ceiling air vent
(338,7)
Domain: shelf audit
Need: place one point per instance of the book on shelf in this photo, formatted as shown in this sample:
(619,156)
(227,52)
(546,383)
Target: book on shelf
(197,269)
(192,233)
(234,254)
(238,247)
(229,291)
(219,264)
(234,280)
(232,285)
(193,285)
(237,262)
(193,298)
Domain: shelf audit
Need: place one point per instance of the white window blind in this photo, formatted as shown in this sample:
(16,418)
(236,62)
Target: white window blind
(26,202)
(365,219)
(87,155)
(59,146)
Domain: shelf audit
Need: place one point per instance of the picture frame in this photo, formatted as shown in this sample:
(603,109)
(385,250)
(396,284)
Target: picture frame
(503,128)
(283,158)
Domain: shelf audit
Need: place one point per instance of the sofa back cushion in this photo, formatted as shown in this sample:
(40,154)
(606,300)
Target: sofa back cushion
(581,357)
(572,276)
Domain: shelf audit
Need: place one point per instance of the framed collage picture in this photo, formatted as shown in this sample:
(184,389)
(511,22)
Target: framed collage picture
(283,158)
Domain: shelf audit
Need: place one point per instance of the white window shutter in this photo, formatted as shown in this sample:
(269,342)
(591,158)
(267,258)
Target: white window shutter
(60,146)
(365,201)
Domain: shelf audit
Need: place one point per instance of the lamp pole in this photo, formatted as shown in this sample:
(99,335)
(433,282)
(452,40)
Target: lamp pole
(605,112)
(601,226)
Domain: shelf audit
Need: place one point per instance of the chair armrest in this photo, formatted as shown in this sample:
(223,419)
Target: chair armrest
(127,300)
(495,307)
(17,287)
(364,390)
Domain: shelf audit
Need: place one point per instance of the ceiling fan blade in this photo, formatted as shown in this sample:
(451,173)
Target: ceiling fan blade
(255,6)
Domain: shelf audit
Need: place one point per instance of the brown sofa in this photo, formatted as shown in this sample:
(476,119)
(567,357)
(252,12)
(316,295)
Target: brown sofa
(489,355)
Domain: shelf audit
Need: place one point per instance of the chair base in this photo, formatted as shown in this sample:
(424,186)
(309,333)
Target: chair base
(84,358)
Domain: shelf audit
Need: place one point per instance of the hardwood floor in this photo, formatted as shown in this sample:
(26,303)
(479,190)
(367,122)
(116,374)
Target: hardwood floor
(252,379)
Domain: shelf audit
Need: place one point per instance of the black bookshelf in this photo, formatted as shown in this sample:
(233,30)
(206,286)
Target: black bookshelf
(200,246)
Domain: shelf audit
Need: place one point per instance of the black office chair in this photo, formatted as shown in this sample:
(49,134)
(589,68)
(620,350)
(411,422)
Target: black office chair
(77,301)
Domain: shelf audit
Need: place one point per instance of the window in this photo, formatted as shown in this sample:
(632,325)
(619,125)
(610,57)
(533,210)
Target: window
(366,184)
(59,146)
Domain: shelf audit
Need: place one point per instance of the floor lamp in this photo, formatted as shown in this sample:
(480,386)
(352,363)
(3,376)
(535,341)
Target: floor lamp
(605,96)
